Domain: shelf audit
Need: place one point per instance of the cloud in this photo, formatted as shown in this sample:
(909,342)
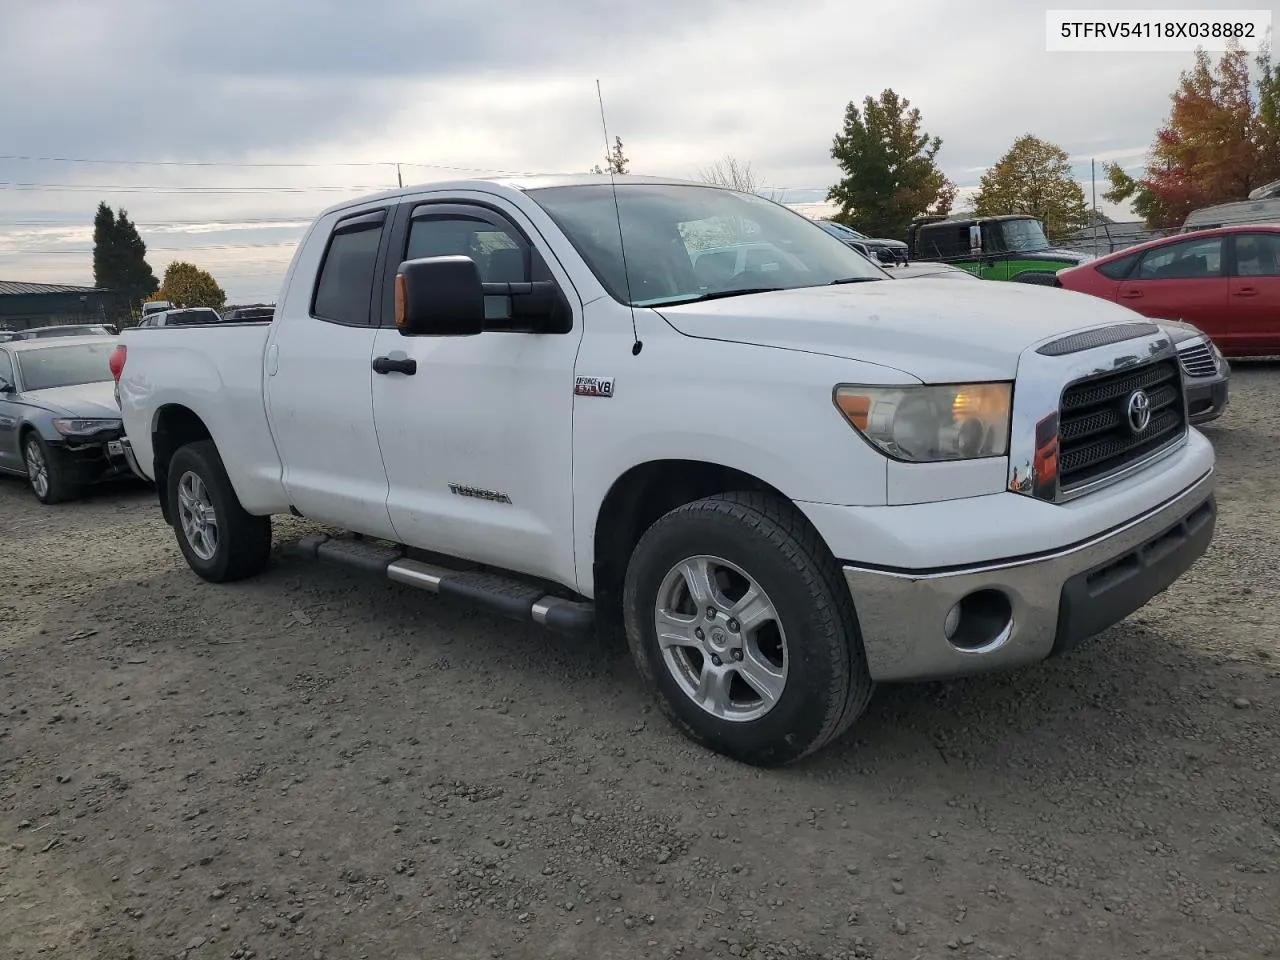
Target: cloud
(452,89)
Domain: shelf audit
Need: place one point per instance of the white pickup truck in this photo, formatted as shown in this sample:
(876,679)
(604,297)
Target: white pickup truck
(785,477)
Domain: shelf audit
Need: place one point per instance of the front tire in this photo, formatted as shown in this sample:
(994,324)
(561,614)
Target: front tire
(47,475)
(221,541)
(738,619)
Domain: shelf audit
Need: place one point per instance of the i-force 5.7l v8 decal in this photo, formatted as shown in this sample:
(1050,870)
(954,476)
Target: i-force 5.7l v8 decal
(593,386)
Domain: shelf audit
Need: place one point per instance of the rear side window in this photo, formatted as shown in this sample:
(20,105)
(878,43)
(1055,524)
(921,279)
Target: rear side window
(1119,268)
(6,367)
(344,289)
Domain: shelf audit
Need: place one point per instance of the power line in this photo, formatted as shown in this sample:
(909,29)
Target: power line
(231,222)
(277,165)
(134,188)
(36,252)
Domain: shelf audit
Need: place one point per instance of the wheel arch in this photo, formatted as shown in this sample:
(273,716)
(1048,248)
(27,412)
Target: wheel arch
(173,426)
(639,497)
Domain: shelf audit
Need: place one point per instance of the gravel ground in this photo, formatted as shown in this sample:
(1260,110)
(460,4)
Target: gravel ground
(314,765)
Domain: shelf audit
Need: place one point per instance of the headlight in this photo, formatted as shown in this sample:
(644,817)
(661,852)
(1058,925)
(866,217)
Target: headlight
(80,428)
(927,424)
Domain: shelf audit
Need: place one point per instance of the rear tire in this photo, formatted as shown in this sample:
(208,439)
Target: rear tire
(776,685)
(221,541)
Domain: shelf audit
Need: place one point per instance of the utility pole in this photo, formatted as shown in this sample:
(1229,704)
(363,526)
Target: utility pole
(399,179)
(1093,178)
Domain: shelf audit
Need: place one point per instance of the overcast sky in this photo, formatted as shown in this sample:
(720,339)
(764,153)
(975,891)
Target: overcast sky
(344,89)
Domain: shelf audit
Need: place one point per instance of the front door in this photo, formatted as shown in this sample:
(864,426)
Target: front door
(477,441)
(10,412)
(1253,302)
(1181,281)
(319,382)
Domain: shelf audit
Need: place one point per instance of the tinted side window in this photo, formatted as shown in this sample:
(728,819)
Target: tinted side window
(1188,260)
(1258,254)
(1118,269)
(944,240)
(344,288)
(501,257)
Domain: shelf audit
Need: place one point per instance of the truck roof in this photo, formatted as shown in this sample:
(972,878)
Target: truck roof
(513,183)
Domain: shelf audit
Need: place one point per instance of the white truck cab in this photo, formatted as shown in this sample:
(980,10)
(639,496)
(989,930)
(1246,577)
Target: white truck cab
(786,482)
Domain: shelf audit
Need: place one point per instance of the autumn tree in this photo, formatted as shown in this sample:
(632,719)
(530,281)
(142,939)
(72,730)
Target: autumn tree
(732,173)
(187,285)
(120,258)
(891,175)
(1034,177)
(615,161)
(1221,140)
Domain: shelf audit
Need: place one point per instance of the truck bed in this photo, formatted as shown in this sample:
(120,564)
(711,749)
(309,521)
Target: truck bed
(221,364)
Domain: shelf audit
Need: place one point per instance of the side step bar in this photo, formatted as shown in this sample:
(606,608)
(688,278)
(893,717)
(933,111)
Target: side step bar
(490,591)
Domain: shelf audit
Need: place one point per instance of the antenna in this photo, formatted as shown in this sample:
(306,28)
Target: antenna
(636,345)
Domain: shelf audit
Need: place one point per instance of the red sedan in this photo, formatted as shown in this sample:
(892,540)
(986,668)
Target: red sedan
(1225,281)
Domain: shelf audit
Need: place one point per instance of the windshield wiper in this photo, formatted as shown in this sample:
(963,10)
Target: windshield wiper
(853,280)
(720,295)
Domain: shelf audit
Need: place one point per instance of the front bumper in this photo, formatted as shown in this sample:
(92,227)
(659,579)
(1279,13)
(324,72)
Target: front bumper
(1207,399)
(1023,610)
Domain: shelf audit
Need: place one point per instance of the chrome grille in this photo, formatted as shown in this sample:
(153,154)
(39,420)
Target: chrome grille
(1096,436)
(1197,359)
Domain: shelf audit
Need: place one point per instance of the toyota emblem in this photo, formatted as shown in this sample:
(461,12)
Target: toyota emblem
(1139,411)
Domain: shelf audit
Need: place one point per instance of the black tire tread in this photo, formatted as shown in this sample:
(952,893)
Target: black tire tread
(788,532)
(247,536)
(61,489)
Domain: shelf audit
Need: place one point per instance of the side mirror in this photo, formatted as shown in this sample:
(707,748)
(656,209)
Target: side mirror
(885,256)
(5,386)
(439,297)
(445,297)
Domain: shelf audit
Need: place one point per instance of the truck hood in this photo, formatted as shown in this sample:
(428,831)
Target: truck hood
(86,401)
(936,332)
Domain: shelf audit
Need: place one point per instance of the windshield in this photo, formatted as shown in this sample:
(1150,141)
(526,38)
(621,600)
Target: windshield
(685,243)
(1021,235)
(66,366)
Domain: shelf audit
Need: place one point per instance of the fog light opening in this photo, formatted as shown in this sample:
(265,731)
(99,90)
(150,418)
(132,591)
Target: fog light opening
(981,620)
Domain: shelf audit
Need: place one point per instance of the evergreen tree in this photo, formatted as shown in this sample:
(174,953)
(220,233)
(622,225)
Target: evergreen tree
(120,259)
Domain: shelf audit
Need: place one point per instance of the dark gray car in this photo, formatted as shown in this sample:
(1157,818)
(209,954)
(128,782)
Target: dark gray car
(60,426)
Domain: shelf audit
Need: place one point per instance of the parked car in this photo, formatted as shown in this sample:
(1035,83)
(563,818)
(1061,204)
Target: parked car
(59,423)
(785,486)
(1012,247)
(248,314)
(60,330)
(181,316)
(1206,372)
(874,247)
(1225,281)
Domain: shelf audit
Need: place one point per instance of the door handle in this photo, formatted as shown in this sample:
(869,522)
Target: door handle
(1131,294)
(1246,292)
(406,365)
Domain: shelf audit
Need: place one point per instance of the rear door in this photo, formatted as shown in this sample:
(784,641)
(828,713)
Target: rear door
(1184,280)
(1253,306)
(319,377)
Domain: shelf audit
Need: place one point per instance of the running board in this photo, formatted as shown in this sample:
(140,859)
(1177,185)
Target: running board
(507,596)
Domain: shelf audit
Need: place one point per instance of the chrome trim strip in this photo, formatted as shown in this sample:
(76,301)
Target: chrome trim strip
(901,613)
(415,573)
(1037,401)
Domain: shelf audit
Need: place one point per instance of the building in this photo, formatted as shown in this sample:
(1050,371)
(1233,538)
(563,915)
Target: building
(25,305)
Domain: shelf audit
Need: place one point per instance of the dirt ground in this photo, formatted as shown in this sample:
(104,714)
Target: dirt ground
(315,765)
